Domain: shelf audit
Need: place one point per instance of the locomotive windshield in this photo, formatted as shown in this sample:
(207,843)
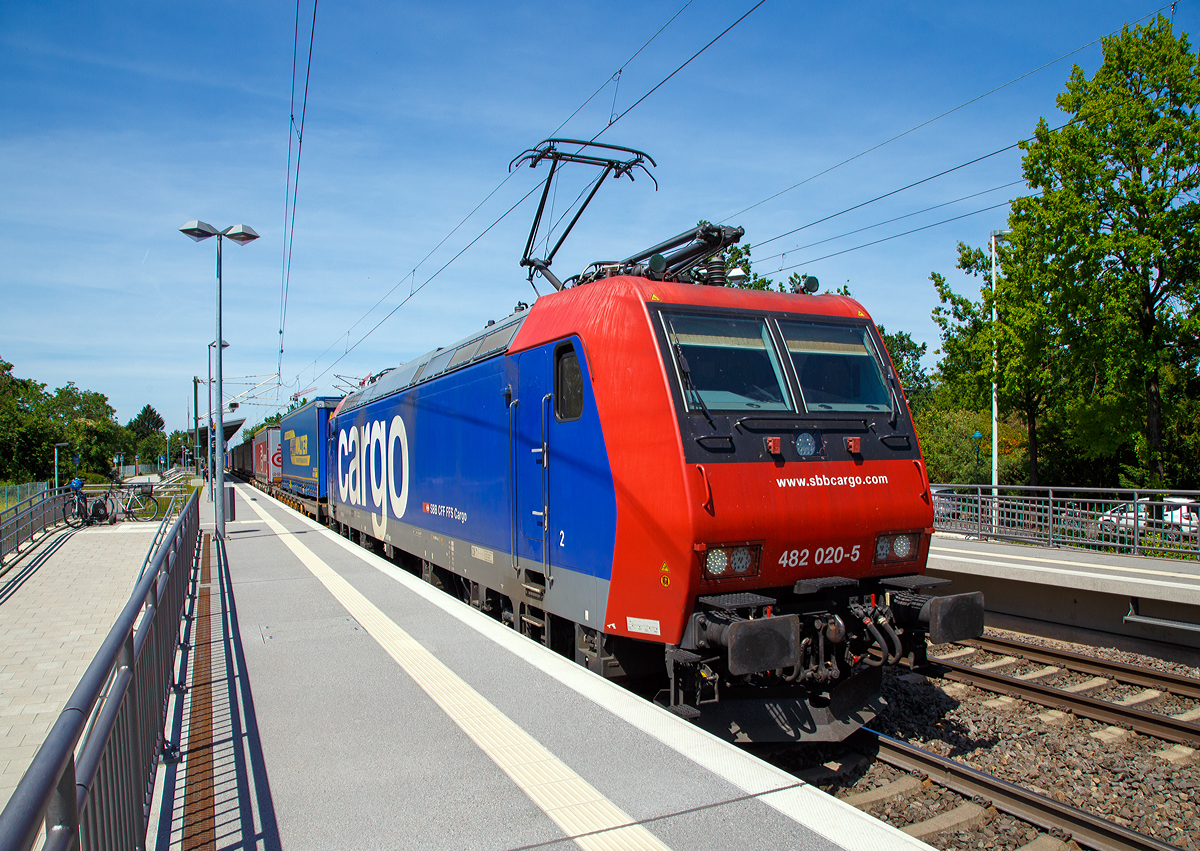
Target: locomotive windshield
(836,367)
(727,363)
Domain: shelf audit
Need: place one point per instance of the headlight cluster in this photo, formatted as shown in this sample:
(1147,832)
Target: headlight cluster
(732,561)
(897,546)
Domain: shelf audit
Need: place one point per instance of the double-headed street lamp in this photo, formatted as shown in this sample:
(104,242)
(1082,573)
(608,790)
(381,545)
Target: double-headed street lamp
(241,234)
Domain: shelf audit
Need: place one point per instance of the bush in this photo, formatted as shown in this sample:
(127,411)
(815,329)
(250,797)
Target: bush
(949,449)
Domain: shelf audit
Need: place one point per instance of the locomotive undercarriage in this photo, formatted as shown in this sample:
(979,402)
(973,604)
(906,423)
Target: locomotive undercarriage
(806,663)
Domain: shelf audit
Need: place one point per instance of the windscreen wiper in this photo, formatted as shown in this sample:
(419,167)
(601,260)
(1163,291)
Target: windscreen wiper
(681,361)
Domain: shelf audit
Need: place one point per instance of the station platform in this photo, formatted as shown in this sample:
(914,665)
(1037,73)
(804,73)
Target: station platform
(1129,597)
(58,601)
(335,700)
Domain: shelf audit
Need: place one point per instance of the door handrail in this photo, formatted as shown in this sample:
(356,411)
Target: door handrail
(545,451)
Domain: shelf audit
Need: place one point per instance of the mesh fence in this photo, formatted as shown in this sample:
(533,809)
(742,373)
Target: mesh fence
(10,495)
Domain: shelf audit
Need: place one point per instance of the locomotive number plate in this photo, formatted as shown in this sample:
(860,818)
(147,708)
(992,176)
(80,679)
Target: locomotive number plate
(821,555)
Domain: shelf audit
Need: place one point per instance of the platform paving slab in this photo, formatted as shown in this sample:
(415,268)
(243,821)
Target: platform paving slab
(57,604)
(387,715)
(1127,575)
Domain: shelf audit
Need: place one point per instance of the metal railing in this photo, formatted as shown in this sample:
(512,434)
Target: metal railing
(95,793)
(1163,523)
(168,511)
(31,515)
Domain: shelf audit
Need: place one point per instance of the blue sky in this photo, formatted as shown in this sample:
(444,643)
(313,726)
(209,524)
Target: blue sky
(119,122)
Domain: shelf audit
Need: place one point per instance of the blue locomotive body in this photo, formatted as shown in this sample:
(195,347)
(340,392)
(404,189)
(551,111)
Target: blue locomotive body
(450,459)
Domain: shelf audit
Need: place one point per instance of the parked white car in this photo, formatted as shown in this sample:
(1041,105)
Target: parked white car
(1179,517)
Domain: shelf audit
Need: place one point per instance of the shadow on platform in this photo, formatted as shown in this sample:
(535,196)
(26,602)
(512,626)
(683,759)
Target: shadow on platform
(215,794)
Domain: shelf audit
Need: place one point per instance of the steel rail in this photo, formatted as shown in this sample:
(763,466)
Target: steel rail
(1086,828)
(1130,674)
(1159,726)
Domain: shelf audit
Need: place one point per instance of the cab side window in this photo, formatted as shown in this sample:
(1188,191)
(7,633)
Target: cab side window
(568,385)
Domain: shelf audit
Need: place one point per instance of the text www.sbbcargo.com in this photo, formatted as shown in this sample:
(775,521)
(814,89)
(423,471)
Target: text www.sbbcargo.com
(831,481)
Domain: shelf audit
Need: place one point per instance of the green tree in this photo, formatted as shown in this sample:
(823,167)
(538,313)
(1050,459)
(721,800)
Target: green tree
(150,447)
(177,444)
(271,420)
(950,450)
(32,421)
(964,368)
(145,423)
(1020,349)
(71,403)
(906,357)
(1116,223)
(27,433)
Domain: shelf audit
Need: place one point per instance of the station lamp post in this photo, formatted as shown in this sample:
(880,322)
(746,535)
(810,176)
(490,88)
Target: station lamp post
(212,441)
(56,462)
(240,234)
(196,422)
(995,393)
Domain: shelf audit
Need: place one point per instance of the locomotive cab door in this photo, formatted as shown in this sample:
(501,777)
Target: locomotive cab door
(533,388)
(565,510)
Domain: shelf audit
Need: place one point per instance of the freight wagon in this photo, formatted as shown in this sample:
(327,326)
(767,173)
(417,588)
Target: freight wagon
(304,435)
(267,456)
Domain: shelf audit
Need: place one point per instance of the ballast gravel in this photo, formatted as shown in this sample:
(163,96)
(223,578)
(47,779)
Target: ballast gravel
(1110,654)
(1119,777)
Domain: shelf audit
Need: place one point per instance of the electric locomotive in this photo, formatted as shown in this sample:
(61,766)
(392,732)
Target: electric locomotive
(713,490)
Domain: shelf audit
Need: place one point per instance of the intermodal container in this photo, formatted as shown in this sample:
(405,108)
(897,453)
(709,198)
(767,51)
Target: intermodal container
(305,432)
(266,456)
(243,459)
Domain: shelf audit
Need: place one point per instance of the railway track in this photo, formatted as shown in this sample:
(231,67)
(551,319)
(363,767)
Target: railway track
(1176,729)
(1025,804)
(1131,674)
(1013,804)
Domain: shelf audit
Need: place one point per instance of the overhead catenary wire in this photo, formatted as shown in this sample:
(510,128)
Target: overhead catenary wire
(893,236)
(689,61)
(535,187)
(616,76)
(896,191)
(426,282)
(412,275)
(929,121)
(293,190)
(614,118)
(889,221)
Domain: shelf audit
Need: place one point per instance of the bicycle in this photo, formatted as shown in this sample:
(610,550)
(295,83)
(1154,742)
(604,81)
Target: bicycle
(136,502)
(77,511)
